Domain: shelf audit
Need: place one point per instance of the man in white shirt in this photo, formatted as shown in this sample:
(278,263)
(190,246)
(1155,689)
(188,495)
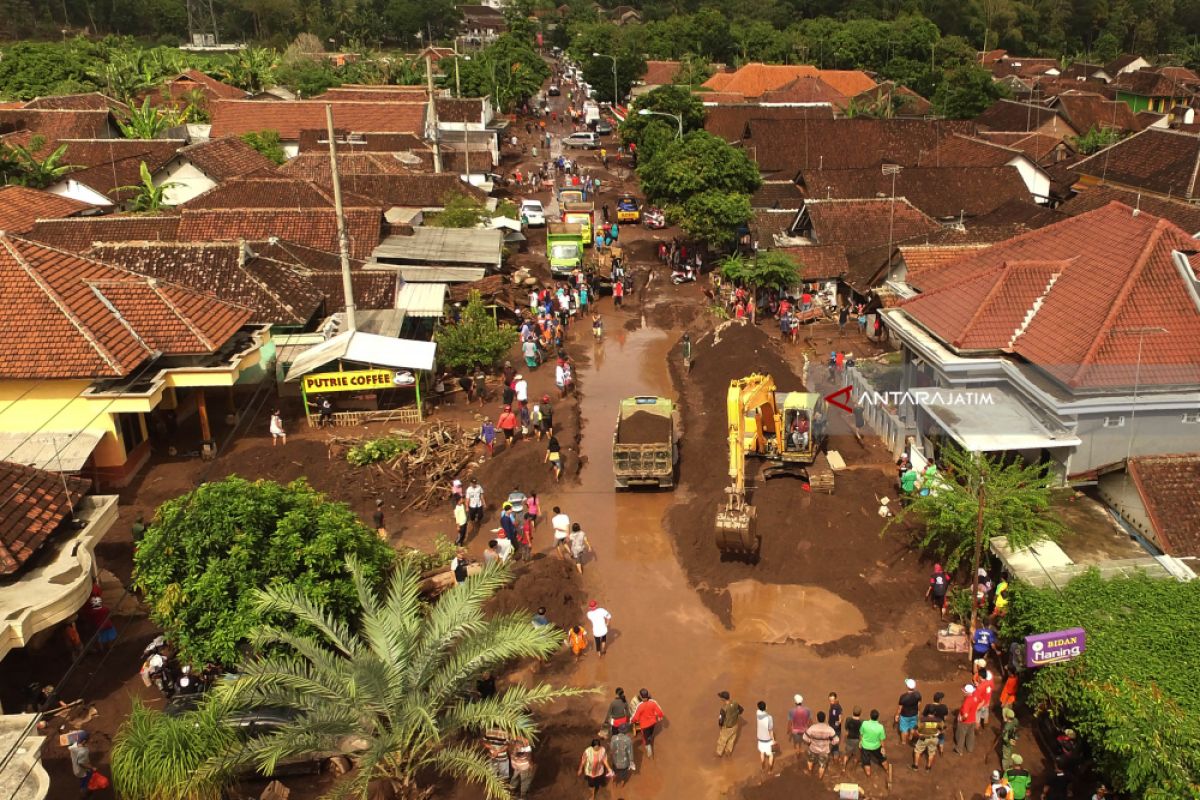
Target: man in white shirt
(504,547)
(475,502)
(599,618)
(765,733)
(521,387)
(562,527)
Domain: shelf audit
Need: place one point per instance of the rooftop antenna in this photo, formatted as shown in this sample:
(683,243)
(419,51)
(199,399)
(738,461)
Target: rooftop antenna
(343,239)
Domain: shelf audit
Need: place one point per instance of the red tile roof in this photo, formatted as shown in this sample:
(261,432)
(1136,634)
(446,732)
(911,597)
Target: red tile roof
(89,101)
(768,223)
(52,124)
(213,89)
(660,73)
(751,80)
(374,93)
(1155,160)
(1148,83)
(312,227)
(1041,148)
(20,207)
(804,89)
(314,165)
(1086,110)
(789,145)
(1089,198)
(1167,485)
(317,140)
(104,165)
(1065,298)
(275,292)
(922,260)
(374,289)
(79,233)
(464,109)
(1010,115)
(906,102)
(35,504)
(1181,74)
(819,261)
(729,122)
(941,192)
(291,117)
(864,229)
(225,158)
(778,195)
(266,189)
(97,321)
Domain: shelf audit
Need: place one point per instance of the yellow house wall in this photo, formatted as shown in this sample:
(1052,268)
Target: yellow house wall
(27,406)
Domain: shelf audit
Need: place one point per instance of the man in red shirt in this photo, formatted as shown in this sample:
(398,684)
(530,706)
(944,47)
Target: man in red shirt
(507,423)
(964,730)
(805,301)
(618,293)
(984,688)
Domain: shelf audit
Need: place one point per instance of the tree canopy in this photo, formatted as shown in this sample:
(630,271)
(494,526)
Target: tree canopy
(766,270)
(1014,499)
(394,685)
(509,70)
(476,338)
(208,551)
(677,100)
(1128,696)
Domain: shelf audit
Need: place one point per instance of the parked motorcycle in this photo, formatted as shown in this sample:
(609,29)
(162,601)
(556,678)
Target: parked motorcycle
(686,275)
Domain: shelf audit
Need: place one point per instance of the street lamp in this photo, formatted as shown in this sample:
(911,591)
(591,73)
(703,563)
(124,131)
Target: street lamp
(645,112)
(614,60)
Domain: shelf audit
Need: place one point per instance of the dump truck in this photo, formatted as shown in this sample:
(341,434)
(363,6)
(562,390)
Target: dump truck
(564,248)
(580,214)
(786,428)
(644,452)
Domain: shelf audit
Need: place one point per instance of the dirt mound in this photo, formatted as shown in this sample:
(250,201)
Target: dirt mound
(642,427)
(547,581)
(807,538)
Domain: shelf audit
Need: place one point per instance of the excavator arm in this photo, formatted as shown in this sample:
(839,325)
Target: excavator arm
(749,401)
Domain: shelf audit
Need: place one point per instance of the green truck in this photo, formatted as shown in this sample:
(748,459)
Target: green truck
(644,452)
(564,250)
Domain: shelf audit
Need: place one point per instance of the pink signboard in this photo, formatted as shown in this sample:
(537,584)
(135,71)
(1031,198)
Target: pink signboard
(1054,647)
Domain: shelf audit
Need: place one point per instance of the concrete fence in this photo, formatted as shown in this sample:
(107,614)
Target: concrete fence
(878,418)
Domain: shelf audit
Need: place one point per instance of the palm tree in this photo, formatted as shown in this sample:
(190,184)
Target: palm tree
(146,195)
(156,756)
(394,690)
(146,122)
(38,173)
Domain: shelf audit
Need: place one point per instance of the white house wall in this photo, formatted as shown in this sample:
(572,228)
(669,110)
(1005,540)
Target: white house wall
(81,192)
(189,181)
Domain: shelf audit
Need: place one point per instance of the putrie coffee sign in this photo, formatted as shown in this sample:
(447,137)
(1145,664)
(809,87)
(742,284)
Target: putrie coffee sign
(1054,647)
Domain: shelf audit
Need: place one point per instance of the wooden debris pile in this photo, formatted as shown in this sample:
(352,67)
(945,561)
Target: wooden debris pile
(424,473)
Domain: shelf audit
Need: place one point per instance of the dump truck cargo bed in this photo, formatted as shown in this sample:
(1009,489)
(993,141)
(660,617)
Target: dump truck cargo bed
(644,443)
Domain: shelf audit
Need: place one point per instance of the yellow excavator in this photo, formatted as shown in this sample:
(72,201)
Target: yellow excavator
(784,427)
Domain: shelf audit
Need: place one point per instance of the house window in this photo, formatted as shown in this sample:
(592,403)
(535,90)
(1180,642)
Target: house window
(1114,422)
(1191,418)
(132,433)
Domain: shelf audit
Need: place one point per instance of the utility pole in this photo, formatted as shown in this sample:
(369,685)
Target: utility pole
(343,238)
(437,149)
(981,498)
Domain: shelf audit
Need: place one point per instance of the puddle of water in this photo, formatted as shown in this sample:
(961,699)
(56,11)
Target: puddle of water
(778,613)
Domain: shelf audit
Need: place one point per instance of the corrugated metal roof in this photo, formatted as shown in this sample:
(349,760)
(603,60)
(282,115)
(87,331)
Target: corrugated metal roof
(436,274)
(422,299)
(475,246)
(365,348)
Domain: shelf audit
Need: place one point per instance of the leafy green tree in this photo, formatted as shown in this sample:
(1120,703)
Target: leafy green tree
(252,69)
(38,173)
(654,136)
(1127,696)
(509,70)
(692,71)
(208,551)
(698,162)
(677,100)
(477,338)
(976,498)
(770,269)
(713,216)
(146,195)
(604,37)
(393,688)
(308,77)
(147,122)
(157,756)
(965,92)
(459,211)
(1096,139)
(267,143)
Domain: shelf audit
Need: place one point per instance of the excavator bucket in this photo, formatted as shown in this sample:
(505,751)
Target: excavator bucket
(735,527)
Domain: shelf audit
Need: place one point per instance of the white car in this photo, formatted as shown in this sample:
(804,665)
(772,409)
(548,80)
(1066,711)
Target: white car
(532,213)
